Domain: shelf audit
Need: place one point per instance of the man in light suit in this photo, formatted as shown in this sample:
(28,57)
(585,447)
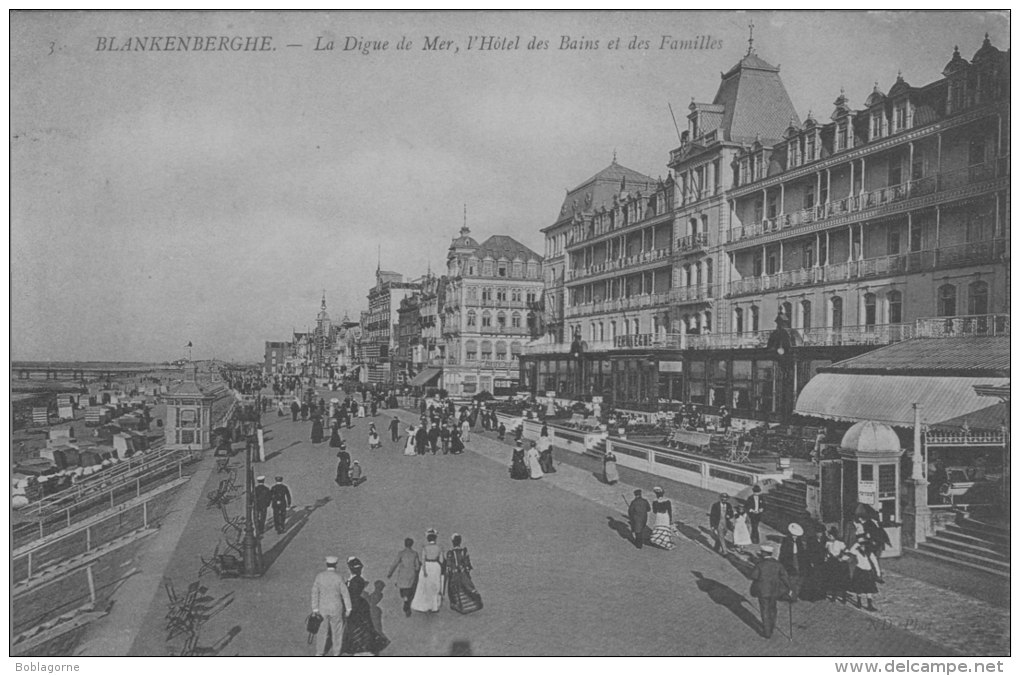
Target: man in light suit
(330,599)
(772,583)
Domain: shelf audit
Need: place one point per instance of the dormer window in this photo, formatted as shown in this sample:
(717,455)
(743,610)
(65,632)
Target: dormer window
(841,135)
(876,124)
(502,270)
(810,148)
(900,116)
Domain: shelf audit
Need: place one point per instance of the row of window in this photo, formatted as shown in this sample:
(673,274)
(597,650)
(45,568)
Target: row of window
(471,350)
(500,268)
(515,319)
(500,294)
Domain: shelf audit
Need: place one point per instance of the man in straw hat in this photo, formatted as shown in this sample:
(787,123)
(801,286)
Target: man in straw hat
(769,582)
(719,519)
(330,599)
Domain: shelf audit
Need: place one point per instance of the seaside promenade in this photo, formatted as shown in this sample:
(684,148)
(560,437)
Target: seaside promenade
(551,560)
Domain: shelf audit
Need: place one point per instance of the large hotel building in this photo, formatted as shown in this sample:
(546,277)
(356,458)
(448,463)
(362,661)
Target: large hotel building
(857,229)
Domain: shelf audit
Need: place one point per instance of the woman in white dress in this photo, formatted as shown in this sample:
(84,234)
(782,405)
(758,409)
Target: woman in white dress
(409,446)
(531,457)
(741,531)
(662,524)
(428,595)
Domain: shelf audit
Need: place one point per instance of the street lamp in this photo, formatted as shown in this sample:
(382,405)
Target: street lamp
(251,548)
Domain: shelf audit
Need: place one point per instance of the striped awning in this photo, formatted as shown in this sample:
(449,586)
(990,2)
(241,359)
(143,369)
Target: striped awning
(889,399)
(425,377)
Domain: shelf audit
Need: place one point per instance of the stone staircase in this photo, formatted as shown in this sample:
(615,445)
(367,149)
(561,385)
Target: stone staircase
(974,542)
(598,451)
(787,502)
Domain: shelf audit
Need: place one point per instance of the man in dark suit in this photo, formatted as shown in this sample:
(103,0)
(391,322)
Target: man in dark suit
(280,495)
(263,498)
(719,519)
(769,583)
(637,512)
(395,429)
(755,507)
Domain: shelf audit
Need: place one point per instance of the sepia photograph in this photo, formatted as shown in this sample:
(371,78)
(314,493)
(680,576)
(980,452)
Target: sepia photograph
(573,334)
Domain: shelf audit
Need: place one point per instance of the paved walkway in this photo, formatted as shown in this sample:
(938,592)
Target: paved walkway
(557,575)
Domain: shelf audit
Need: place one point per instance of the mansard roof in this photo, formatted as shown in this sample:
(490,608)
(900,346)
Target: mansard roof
(755,101)
(599,190)
(506,247)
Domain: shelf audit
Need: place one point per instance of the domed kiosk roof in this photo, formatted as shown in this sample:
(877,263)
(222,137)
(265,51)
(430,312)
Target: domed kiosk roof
(870,438)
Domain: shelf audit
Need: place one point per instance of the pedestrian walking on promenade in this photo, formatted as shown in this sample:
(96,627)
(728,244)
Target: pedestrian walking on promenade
(428,596)
(456,445)
(545,455)
(464,597)
(793,555)
(501,432)
(769,583)
(755,508)
(373,437)
(295,408)
(395,429)
(444,438)
(357,476)
(534,464)
(406,567)
(331,600)
(343,468)
(741,531)
(637,514)
(434,437)
(610,474)
(263,498)
(281,503)
(866,573)
(662,525)
(719,519)
(335,440)
(518,466)
(304,411)
(410,446)
(421,438)
(360,635)
(837,576)
(317,433)
(465,430)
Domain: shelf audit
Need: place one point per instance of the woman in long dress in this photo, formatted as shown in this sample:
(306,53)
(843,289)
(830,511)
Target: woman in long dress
(866,573)
(741,531)
(534,465)
(409,447)
(837,576)
(518,467)
(545,454)
(373,437)
(334,437)
(609,471)
(465,430)
(343,468)
(360,636)
(662,524)
(317,432)
(456,445)
(460,588)
(428,595)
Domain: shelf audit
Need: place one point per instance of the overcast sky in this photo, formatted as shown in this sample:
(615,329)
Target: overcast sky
(162,198)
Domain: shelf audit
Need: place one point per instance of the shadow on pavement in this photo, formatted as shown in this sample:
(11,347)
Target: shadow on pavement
(295,526)
(696,535)
(729,599)
(622,528)
(373,602)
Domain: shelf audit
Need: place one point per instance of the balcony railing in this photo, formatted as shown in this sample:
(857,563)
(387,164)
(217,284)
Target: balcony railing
(877,334)
(618,304)
(687,294)
(966,325)
(692,242)
(947,180)
(615,264)
(974,253)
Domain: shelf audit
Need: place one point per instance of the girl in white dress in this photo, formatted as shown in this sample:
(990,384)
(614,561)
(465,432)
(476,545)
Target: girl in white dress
(531,457)
(409,446)
(428,595)
(741,531)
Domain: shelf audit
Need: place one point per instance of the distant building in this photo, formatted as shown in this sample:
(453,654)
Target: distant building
(485,324)
(379,338)
(277,353)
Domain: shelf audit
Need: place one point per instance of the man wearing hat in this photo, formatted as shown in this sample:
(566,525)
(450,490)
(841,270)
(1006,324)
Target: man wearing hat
(637,512)
(719,519)
(755,507)
(330,599)
(281,503)
(793,555)
(406,567)
(263,498)
(769,582)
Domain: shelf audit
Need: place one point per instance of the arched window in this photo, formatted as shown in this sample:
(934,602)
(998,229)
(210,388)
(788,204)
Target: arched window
(500,350)
(591,332)
(471,350)
(472,318)
(685,324)
(686,279)
(515,320)
(501,320)
(895,302)
(694,229)
(738,320)
(637,326)
(754,318)
(602,331)
(947,300)
(836,312)
(697,274)
(805,314)
(870,310)
(977,298)
(788,311)
(708,271)
(486,350)
(486,319)
(612,330)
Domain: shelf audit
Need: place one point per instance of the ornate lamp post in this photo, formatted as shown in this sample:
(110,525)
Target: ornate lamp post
(251,548)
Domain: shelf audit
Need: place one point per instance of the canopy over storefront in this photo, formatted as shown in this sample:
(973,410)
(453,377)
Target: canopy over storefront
(425,377)
(883,385)
(853,397)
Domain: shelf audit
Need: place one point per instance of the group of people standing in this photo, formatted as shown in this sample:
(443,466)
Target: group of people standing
(536,461)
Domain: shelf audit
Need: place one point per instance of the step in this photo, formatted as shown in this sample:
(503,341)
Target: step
(964,557)
(787,496)
(783,490)
(931,554)
(992,531)
(988,535)
(786,500)
(969,548)
(972,540)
